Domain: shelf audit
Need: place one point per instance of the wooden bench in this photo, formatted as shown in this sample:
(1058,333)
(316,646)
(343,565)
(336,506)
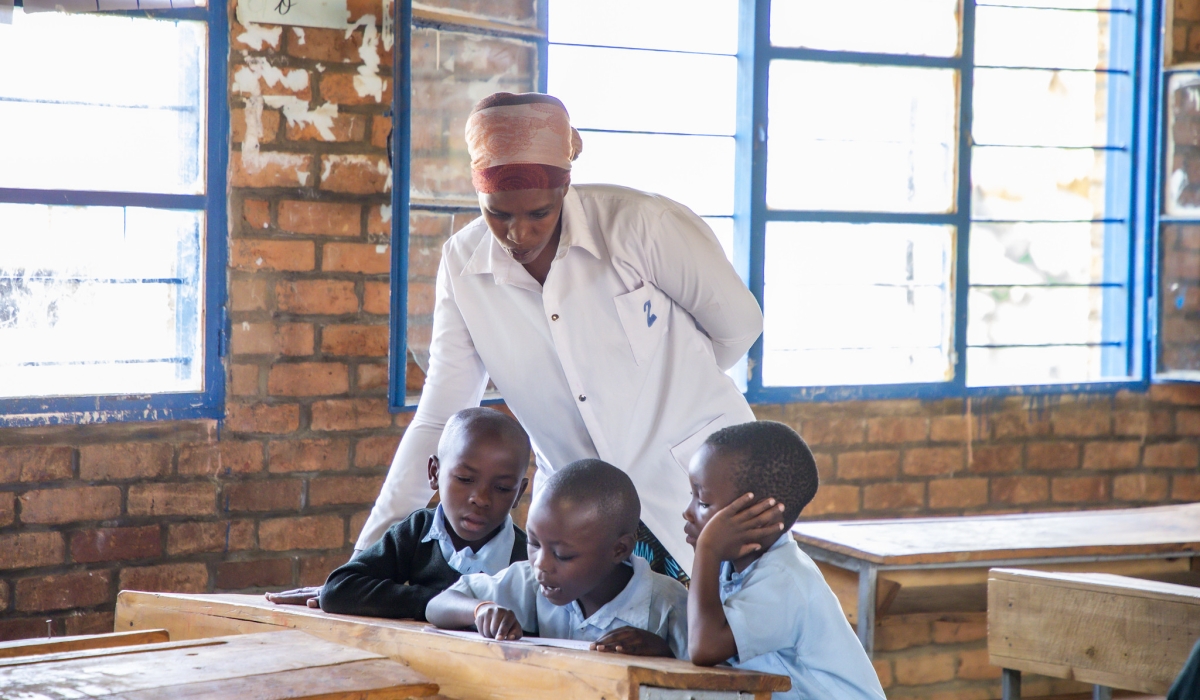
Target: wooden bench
(463,668)
(1110,631)
(920,565)
(284,665)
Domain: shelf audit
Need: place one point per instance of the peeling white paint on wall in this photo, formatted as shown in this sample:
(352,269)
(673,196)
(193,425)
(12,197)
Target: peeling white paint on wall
(256,35)
(299,35)
(248,80)
(385,213)
(368,81)
(389,29)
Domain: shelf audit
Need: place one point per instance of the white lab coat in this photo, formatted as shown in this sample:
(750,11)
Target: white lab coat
(620,356)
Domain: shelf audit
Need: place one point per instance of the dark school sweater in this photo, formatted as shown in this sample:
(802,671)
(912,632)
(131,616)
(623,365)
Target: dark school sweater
(398,575)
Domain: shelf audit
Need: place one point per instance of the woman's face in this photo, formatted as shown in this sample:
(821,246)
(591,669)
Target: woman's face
(524,221)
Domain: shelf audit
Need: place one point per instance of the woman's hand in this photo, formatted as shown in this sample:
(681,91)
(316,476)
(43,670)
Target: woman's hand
(739,528)
(496,622)
(310,596)
(633,641)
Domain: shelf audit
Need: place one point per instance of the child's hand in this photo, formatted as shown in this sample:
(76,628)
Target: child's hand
(634,641)
(496,622)
(298,596)
(736,529)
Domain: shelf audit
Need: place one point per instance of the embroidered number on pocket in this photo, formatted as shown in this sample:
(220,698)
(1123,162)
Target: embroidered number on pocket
(650,318)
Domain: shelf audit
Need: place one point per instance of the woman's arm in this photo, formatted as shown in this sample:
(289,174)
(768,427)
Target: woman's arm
(456,380)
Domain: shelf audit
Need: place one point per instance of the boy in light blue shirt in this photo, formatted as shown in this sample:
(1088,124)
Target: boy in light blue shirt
(581,581)
(756,600)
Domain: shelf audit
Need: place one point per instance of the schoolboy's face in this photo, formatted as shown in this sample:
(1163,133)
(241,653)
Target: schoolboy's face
(571,549)
(478,484)
(711,472)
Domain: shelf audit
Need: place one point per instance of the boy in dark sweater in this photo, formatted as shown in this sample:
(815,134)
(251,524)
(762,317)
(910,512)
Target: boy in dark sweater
(479,474)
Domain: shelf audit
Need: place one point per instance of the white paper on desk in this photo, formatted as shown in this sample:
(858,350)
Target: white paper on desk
(331,14)
(575,644)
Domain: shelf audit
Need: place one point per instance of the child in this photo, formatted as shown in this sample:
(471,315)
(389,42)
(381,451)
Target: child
(479,474)
(581,581)
(756,600)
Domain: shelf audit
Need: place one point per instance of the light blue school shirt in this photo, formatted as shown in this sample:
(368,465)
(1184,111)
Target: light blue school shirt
(650,601)
(786,620)
(492,557)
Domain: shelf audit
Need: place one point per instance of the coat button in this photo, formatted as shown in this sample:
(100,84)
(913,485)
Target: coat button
(554,317)
(583,397)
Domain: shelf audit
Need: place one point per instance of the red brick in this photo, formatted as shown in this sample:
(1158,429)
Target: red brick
(833,498)
(367,258)
(8,508)
(1052,455)
(355,174)
(1080,489)
(1020,489)
(172,499)
(22,628)
(168,578)
(1081,423)
(953,429)
(380,128)
(273,169)
(925,461)
(276,494)
(421,297)
(339,88)
(825,468)
(308,379)
(243,380)
(257,573)
(1184,487)
(314,570)
(342,490)
(350,414)
(379,217)
(897,429)
(839,431)
(898,496)
(309,455)
(116,543)
(1180,394)
(237,126)
(325,297)
(974,665)
(271,339)
(883,670)
(377,298)
(248,294)
(343,128)
(327,45)
(371,377)
(1140,487)
(924,669)
(124,461)
(256,213)
(958,493)
(1143,423)
(378,450)
(1171,454)
(993,459)
(424,262)
(1187,423)
(261,418)
(362,341)
(56,506)
(879,464)
(1111,455)
(1017,424)
(253,255)
(321,218)
(89,623)
(359,519)
(23,550)
(902,632)
(311,532)
(78,589)
(212,536)
(960,628)
(35,464)
(220,459)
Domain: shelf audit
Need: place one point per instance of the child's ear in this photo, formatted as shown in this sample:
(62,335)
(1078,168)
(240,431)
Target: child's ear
(433,472)
(623,547)
(520,492)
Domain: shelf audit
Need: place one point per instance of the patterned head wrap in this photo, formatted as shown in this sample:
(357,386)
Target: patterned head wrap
(521,142)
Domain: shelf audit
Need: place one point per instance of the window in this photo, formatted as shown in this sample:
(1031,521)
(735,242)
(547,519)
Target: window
(112,216)
(996,159)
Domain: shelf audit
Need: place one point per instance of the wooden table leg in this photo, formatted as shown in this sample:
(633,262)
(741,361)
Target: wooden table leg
(1010,684)
(1101,692)
(868,584)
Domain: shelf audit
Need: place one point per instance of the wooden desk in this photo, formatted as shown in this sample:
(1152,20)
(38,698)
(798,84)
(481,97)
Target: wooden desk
(1110,631)
(282,665)
(940,564)
(464,668)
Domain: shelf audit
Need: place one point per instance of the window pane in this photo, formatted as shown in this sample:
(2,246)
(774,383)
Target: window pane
(1067,4)
(1042,183)
(835,317)
(678,25)
(1016,366)
(861,138)
(926,27)
(1025,253)
(1042,108)
(96,124)
(696,171)
(624,90)
(1006,36)
(1033,316)
(1179,299)
(1182,161)
(100,300)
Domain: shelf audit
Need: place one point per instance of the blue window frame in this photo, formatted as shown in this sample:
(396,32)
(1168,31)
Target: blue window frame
(157,227)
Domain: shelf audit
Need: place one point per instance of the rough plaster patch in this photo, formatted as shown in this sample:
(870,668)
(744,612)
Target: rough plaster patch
(256,35)
(368,82)
(248,80)
(299,34)
(389,32)
(385,212)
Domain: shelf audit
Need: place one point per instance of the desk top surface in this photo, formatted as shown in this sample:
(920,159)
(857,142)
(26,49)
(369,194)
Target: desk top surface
(1101,533)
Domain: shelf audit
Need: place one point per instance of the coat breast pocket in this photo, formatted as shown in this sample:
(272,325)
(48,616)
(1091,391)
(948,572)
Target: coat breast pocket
(643,314)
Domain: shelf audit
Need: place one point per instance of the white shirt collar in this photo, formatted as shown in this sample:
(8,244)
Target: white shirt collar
(491,558)
(631,606)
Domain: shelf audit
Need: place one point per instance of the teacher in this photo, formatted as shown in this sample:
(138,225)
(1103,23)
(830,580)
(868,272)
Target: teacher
(605,316)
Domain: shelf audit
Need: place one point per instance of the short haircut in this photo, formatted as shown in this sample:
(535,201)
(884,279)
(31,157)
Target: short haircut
(775,463)
(484,424)
(596,483)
